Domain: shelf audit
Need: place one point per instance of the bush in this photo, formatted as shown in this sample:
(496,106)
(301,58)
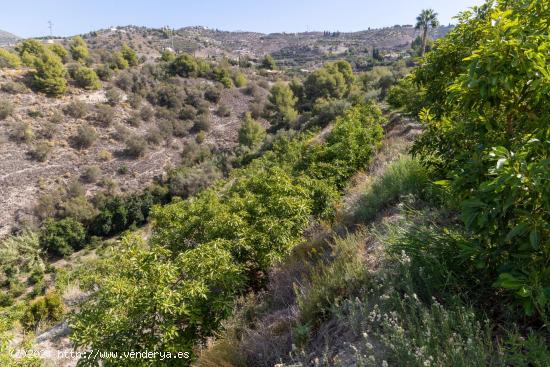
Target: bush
(77,109)
(113,96)
(268,63)
(91,174)
(188,113)
(6,109)
(14,87)
(129,55)
(86,78)
(251,133)
(184,65)
(85,137)
(22,132)
(212,94)
(62,237)
(154,136)
(240,80)
(48,308)
(146,113)
(136,146)
(8,59)
(202,123)
(223,111)
(104,114)
(104,72)
(41,151)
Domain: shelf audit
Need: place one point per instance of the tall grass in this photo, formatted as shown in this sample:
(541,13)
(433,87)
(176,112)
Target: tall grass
(403,177)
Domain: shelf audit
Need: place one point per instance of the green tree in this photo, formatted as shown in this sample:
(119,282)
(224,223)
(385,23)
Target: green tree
(60,51)
(29,50)
(426,19)
(184,65)
(333,80)
(86,78)
(62,237)
(129,55)
(281,105)
(486,134)
(172,301)
(79,49)
(251,132)
(49,76)
(268,62)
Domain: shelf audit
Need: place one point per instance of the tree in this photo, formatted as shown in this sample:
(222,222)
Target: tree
(251,133)
(62,237)
(60,51)
(333,80)
(79,49)
(184,65)
(49,76)
(281,105)
(129,55)
(268,63)
(426,19)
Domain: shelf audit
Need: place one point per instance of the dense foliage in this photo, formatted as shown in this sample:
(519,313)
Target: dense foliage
(486,86)
(207,249)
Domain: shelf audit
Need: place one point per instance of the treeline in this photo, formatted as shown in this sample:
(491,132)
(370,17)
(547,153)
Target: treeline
(173,292)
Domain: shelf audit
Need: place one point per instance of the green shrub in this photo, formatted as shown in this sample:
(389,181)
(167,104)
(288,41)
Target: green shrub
(251,133)
(129,55)
(212,94)
(184,65)
(48,308)
(62,237)
(8,59)
(240,80)
(86,78)
(268,63)
(60,51)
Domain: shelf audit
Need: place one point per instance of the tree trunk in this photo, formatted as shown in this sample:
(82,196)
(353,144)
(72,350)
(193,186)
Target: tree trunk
(424,41)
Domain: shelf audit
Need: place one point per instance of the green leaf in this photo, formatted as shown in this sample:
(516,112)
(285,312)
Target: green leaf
(534,238)
(517,231)
(508,281)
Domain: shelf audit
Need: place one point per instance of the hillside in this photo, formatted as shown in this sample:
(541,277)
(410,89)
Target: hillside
(7,39)
(235,199)
(303,50)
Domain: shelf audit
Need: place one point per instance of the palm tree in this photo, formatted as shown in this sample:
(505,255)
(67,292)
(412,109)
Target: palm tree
(426,19)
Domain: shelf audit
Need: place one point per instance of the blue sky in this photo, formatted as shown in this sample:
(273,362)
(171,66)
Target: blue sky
(30,18)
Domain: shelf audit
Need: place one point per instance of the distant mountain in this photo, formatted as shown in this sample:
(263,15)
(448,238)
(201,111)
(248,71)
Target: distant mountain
(307,49)
(7,38)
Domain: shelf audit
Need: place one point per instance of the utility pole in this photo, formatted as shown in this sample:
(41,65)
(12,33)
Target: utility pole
(50,26)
